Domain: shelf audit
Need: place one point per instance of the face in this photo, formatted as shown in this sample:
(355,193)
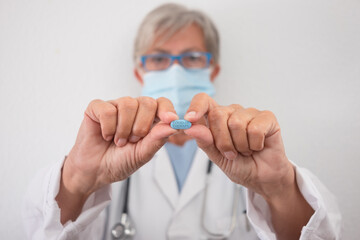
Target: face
(189,39)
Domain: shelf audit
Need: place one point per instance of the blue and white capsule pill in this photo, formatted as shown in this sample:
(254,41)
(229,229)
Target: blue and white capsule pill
(180,124)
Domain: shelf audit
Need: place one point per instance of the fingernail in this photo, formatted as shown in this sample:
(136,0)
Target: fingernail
(121,142)
(230,155)
(134,139)
(190,114)
(108,138)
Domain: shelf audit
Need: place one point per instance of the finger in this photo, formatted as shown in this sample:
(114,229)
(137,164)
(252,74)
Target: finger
(105,114)
(165,110)
(236,107)
(156,138)
(127,109)
(218,123)
(262,126)
(144,118)
(238,123)
(199,106)
(205,141)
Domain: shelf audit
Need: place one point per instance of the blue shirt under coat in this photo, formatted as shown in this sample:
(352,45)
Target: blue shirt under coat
(181,159)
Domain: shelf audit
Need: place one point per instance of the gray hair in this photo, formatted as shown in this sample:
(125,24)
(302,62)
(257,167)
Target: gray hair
(169,18)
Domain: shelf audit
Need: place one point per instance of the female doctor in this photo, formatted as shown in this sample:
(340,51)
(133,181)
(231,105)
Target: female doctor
(130,175)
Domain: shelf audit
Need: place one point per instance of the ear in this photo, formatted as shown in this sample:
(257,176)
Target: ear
(138,75)
(215,72)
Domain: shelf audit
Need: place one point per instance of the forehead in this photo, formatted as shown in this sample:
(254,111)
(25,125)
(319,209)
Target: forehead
(189,38)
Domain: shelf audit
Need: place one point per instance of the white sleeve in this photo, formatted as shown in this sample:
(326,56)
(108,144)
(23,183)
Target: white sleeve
(325,223)
(41,213)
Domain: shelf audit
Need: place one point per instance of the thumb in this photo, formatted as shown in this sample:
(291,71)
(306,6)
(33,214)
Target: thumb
(205,141)
(156,138)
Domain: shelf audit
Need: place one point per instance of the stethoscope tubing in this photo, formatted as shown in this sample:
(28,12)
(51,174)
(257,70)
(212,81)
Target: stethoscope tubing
(213,235)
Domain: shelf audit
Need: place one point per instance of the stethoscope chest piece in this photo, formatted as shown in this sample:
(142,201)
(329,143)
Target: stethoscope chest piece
(124,229)
(118,231)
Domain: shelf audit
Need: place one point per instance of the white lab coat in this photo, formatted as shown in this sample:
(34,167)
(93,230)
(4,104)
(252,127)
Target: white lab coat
(159,212)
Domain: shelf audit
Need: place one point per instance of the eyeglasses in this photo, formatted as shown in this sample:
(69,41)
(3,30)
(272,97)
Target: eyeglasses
(189,60)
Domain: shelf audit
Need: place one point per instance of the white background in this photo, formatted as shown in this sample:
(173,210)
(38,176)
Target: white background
(299,59)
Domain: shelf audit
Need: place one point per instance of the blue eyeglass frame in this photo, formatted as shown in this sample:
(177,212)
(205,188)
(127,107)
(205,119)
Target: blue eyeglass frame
(176,57)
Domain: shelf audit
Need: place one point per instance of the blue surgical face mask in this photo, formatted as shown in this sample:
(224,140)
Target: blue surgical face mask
(179,85)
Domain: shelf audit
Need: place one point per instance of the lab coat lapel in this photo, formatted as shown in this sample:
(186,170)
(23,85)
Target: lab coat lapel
(165,177)
(195,181)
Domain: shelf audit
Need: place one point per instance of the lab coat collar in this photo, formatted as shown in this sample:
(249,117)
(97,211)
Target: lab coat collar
(165,178)
(195,181)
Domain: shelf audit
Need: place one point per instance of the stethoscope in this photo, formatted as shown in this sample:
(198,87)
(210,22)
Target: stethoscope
(124,229)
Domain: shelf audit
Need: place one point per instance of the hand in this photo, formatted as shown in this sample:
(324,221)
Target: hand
(115,139)
(245,143)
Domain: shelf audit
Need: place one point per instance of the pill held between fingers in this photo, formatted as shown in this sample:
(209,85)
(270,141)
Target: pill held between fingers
(180,124)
